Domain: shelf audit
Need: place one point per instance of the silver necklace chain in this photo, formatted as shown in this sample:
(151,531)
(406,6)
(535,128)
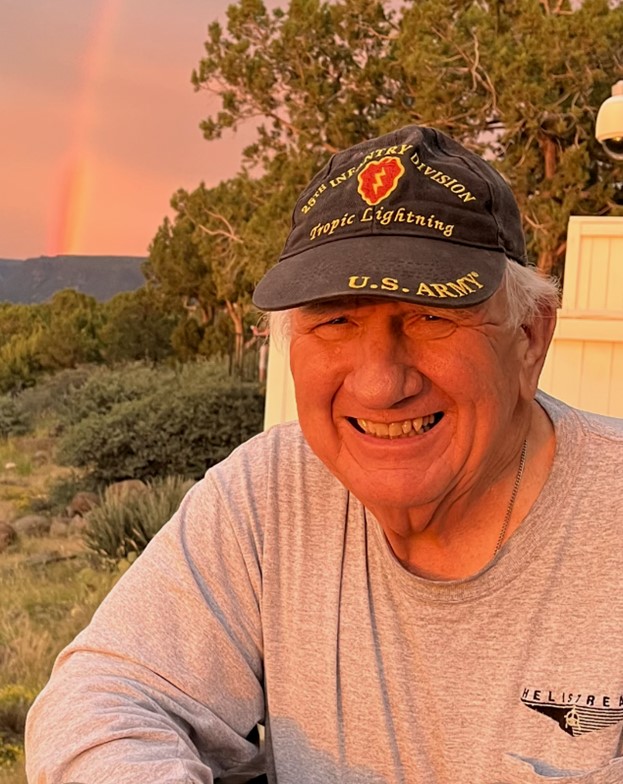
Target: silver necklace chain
(513,498)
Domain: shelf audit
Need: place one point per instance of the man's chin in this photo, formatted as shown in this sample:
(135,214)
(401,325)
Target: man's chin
(391,501)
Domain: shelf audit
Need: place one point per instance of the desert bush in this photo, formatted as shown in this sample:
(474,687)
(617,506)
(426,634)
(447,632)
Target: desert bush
(183,427)
(48,397)
(19,365)
(14,421)
(122,526)
(105,389)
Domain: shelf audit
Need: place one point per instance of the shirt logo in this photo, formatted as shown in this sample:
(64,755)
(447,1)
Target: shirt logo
(575,713)
(378,179)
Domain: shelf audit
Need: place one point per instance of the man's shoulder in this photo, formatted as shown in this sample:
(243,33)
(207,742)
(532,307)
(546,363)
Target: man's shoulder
(587,423)
(285,437)
(269,477)
(280,450)
(589,447)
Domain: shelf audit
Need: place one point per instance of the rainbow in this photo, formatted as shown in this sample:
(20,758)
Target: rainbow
(65,235)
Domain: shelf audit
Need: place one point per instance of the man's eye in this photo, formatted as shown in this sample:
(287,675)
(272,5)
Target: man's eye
(334,321)
(431,327)
(333,328)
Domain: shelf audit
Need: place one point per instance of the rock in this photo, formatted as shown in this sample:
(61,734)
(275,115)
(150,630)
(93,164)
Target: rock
(124,489)
(78,525)
(82,503)
(40,457)
(8,536)
(59,527)
(32,525)
(10,466)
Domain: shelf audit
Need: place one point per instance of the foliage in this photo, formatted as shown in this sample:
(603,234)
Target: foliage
(316,98)
(184,423)
(207,260)
(19,363)
(14,421)
(104,389)
(138,326)
(47,399)
(70,336)
(519,82)
(121,526)
(518,85)
(73,329)
(20,326)
(16,320)
(61,333)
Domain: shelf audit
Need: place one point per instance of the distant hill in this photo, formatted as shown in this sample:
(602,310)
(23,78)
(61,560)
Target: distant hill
(35,280)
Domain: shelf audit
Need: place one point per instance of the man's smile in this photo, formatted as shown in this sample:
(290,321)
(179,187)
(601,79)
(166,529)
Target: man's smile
(405,428)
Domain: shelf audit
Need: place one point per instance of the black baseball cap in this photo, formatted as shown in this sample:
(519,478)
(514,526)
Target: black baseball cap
(412,215)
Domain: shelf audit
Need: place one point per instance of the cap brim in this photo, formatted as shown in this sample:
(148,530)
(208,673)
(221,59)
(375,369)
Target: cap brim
(421,270)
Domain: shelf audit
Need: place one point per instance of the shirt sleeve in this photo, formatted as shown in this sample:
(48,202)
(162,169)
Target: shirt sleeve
(165,685)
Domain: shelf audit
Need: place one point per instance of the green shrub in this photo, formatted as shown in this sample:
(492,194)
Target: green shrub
(19,365)
(120,527)
(183,427)
(105,389)
(14,421)
(49,395)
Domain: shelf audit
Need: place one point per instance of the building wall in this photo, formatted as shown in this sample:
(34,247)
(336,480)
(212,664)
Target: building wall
(280,402)
(584,365)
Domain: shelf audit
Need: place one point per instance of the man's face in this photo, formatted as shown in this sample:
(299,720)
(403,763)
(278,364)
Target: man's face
(409,405)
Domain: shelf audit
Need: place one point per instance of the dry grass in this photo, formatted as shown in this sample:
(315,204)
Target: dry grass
(13,775)
(27,469)
(42,607)
(49,589)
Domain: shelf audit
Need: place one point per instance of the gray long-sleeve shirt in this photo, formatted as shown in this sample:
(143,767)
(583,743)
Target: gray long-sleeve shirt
(272,596)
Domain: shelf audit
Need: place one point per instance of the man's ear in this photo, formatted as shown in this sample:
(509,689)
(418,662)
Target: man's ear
(538,335)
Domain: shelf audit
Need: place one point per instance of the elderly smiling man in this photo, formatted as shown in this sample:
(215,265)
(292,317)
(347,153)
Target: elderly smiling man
(421,583)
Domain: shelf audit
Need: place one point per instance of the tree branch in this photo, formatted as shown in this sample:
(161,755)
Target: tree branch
(228,232)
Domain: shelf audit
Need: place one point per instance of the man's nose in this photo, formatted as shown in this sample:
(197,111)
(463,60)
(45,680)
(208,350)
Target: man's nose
(384,372)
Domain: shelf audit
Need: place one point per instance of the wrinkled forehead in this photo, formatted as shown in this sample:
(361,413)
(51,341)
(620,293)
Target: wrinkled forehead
(349,303)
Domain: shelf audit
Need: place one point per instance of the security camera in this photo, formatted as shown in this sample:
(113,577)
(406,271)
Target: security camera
(609,124)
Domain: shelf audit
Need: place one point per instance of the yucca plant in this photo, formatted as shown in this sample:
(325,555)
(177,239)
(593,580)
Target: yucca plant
(123,527)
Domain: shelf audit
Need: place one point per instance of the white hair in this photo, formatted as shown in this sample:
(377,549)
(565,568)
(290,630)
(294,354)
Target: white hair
(530,295)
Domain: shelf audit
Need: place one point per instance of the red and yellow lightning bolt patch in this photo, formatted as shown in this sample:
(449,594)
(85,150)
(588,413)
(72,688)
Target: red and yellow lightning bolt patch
(379,178)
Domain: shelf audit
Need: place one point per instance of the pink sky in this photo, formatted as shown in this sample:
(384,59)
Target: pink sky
(100,122)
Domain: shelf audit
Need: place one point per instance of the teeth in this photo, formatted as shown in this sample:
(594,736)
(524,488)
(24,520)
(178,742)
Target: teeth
(407,428)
